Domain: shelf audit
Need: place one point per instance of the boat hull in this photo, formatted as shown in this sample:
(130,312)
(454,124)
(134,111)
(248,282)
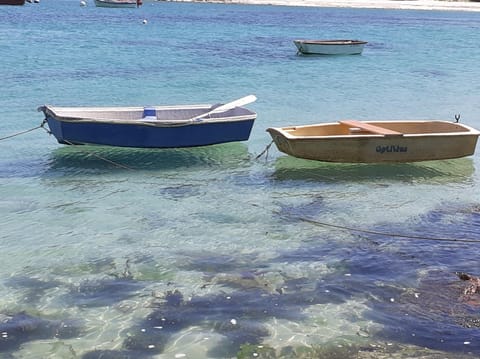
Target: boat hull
(12,2)
(377,148)
(330,47)
(150,133)
(116,3)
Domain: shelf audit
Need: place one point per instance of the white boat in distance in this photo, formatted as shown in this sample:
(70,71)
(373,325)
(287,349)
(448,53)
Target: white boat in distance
(351,141)
(330,47)
(118,3)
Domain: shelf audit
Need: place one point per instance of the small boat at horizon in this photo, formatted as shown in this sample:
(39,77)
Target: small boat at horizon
(353,141)
(118,3)
(152,127)
(330,47)
(12,2)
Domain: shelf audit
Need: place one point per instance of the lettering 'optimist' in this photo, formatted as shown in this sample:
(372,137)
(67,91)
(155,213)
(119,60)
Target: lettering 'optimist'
(391,148)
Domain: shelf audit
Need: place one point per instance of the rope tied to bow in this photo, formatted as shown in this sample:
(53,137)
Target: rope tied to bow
(265,151)
(42,125)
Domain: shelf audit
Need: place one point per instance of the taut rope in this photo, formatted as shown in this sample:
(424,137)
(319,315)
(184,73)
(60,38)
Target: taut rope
(366,231)
(26,131)
(264,151)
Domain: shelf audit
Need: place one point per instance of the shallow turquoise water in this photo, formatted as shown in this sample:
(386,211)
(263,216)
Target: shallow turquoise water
(196,252)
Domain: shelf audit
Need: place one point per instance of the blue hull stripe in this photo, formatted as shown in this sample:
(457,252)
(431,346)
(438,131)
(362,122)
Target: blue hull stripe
(128,135)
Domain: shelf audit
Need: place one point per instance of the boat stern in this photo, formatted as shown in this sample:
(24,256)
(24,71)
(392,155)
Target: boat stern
(298,44)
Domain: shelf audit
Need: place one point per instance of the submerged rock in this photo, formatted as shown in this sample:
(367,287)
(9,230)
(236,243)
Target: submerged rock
(473,287)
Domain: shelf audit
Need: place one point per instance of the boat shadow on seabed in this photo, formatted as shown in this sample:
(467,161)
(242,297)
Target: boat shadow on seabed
(287,168)
(103,158)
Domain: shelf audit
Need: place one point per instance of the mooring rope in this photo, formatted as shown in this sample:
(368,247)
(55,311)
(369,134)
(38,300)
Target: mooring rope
(366,231)
(387,234)
(66,141)
(102,158)
(26,131)
(264,151)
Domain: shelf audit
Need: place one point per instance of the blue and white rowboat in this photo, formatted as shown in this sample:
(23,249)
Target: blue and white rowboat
(152,127)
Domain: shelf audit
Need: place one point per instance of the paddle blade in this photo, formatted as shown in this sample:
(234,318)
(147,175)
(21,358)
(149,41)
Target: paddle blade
(237,103)
(228,106)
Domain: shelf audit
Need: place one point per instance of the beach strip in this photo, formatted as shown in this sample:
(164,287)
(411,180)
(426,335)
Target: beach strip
(365,4)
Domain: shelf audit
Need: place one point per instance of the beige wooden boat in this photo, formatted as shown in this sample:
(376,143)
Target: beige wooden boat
(353,141)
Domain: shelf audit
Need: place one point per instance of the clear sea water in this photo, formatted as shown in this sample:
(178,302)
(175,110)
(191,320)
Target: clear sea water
(211,252)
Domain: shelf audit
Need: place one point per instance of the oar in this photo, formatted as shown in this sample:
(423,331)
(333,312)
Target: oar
(228,106)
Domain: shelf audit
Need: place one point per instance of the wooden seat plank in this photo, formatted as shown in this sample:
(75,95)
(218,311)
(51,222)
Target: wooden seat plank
(370,128)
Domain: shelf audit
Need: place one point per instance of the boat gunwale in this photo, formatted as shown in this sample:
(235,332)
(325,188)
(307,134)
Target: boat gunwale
(377,136)
(285,133)
(55,109)
(50,111)
(331,42)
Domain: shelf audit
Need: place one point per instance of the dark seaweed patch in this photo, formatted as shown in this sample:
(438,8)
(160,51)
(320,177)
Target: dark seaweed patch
(430,316)
(312,208)
(104,292)
(22,327)
(214,263)
(236,316)
(180,191)
(451,223)
(426,315)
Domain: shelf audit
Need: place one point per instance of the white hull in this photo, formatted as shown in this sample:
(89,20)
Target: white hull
(330,47)
(116,3)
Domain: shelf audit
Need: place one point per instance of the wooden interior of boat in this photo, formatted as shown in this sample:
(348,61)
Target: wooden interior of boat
(386,128)
(357,126)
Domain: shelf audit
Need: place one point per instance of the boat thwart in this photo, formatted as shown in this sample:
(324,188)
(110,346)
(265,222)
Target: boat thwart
(352,141)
